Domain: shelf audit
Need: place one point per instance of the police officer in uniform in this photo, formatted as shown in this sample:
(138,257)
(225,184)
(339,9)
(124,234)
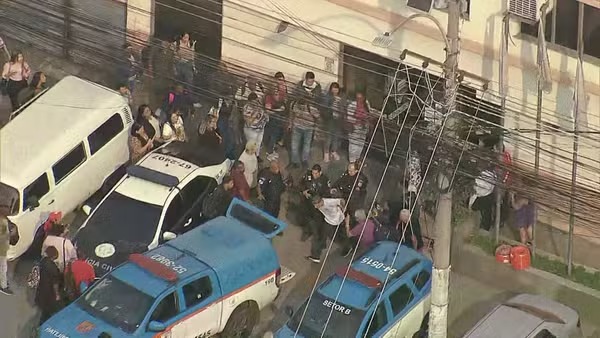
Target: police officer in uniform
(343,187)
(313,183)
(270,187)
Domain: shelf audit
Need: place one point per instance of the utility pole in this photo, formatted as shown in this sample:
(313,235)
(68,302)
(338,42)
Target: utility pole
(438,320)
(577,118)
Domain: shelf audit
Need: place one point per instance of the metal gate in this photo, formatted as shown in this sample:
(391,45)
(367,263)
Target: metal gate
(37,22)
(97,31)
(88,31)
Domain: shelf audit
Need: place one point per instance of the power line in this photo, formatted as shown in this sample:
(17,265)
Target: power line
(200,88)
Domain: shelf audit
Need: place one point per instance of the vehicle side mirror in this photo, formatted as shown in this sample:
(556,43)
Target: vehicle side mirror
(86,209)
(167,236)
(289,311)
(155,326)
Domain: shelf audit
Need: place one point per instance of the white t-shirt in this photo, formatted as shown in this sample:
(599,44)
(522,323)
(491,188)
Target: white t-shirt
(251,168)
(178,134)
(332,210)
(57,242)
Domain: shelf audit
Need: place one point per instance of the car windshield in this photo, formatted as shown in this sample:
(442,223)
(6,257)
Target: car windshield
(9,196)
(345,321)
(116,303)
(122,218)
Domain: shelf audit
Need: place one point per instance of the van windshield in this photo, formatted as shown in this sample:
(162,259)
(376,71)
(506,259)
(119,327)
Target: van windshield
(9,197)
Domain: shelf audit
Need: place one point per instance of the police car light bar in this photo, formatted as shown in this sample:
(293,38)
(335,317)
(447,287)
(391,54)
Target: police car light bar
(154,267)
(359,276)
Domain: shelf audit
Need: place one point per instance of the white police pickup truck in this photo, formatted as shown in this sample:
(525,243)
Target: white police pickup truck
(214,279)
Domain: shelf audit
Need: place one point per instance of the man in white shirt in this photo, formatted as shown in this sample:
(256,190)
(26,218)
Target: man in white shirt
(333,215)
(483,198)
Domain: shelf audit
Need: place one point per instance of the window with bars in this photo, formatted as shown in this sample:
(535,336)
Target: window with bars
(563,32)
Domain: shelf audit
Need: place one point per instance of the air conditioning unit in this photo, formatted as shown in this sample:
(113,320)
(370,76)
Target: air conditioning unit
(528,10)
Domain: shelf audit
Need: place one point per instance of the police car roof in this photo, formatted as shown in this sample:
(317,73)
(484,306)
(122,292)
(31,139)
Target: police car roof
(365,280)
(192,153)
(238,253)
(152,284)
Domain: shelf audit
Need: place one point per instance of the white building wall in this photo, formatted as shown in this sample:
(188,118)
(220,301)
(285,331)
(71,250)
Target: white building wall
(250,39)
(140,21)
(358,22)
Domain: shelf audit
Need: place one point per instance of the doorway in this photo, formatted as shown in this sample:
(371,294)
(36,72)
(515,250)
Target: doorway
(202,19)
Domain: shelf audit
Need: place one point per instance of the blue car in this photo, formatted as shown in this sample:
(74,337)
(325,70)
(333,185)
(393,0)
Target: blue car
(364,307)
(213,279)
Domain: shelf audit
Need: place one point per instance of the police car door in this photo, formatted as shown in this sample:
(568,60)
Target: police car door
(406,316)
(202,311)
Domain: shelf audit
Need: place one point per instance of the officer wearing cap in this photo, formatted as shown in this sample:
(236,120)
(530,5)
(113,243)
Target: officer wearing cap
(313,183)
(352,179)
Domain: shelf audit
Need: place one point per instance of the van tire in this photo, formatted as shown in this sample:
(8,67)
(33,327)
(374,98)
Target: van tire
(424,329)
(242,321)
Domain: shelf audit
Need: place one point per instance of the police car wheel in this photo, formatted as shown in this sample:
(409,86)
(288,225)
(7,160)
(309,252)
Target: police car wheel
(242,321)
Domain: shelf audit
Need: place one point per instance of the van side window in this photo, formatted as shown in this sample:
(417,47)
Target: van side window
(38,189)
(68,163)
(106,132)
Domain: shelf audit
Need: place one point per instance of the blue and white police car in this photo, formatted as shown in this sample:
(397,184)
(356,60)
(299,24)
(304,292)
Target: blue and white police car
(364,308)
(159,198)
(213,279)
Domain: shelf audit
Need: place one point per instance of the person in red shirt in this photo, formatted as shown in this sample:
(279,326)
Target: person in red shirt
(81,272)
(241,189)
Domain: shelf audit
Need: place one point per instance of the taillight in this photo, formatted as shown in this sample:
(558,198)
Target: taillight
(278,277)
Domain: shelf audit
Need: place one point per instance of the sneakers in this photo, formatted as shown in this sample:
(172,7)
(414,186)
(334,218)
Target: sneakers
(326,157)
(7,291)
(314,259)
(334,156)
(347,252)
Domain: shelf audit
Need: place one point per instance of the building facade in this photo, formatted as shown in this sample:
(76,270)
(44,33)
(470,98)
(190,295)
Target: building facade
(324,35)
(334,39)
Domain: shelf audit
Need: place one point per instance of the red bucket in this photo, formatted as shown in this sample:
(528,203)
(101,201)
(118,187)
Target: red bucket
(503,254)
(520,258)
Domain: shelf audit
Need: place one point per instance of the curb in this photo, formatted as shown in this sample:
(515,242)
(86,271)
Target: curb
(543,274)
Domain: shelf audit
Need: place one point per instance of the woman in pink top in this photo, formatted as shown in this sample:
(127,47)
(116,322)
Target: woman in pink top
(362,222)
(16,72)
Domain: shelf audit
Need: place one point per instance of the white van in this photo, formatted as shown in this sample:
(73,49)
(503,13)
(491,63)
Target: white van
(59,151)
